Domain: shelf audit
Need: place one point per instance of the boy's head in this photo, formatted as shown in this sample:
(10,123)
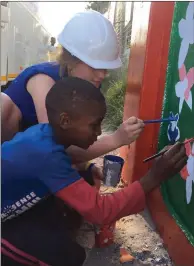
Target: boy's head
(75,111)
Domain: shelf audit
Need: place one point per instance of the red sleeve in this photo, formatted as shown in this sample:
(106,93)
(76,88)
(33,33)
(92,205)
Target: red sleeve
(103,209)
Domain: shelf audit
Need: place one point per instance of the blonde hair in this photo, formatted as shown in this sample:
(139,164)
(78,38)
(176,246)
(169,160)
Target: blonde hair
(66,61)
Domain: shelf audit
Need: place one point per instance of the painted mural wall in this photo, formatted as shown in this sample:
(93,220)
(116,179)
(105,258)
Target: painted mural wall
(178,193)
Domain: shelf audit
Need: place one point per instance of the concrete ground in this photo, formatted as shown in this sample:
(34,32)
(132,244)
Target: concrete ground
(138,235)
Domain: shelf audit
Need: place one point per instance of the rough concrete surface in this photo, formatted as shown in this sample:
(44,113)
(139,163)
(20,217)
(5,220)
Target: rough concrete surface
(137,234)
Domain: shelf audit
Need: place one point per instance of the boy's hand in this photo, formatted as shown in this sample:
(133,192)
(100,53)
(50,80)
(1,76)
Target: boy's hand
(97,175)
(128,131)
(97,172)
(165,167)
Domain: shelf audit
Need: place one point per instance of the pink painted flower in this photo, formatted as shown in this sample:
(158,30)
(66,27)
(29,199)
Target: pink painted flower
(184,86)
(187,173)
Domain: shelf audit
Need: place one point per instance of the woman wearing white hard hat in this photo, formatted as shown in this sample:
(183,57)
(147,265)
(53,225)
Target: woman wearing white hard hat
(89,48)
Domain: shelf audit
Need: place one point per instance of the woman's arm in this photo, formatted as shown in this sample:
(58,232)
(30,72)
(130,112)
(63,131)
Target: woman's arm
(38,87)
(10,118)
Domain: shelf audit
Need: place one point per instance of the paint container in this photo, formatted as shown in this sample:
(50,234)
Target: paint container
(112,168)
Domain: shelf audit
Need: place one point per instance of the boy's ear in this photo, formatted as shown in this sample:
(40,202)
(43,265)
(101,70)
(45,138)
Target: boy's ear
(64,120)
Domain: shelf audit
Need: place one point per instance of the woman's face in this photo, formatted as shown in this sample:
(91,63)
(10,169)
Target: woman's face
(83,71)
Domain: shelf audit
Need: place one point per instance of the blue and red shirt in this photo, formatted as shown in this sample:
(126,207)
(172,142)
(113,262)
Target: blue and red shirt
(33,166)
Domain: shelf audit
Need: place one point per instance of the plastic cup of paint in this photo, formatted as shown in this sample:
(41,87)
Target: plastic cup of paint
(112,167)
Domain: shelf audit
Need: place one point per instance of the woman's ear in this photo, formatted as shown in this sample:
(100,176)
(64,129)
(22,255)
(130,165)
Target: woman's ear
(64,120)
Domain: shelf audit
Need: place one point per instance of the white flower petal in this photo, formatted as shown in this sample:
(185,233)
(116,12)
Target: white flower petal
(181,104)
(190,31)
(182,27)
(186,29)
(180,87)
(183,52)
(190,11)
(190,166)
(189,185)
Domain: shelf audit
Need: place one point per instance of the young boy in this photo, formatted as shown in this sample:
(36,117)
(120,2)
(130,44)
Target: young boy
(37,177)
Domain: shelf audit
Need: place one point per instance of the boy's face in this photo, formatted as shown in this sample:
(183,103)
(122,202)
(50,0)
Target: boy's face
(83,132)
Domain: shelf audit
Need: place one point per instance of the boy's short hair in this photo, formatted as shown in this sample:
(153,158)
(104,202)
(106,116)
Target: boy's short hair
(73,96)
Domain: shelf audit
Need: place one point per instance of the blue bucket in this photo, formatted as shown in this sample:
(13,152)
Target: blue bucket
(112,167)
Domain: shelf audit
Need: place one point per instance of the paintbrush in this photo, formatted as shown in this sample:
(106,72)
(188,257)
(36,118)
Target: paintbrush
(162,152)
(169,119)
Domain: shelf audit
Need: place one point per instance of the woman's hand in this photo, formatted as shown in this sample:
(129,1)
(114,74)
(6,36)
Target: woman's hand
(128,131)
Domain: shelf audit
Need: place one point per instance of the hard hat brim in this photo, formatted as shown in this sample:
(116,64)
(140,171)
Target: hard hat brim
(96,64)
(107,65)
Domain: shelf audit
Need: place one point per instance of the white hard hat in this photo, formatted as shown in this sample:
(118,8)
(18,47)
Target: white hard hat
(91,38)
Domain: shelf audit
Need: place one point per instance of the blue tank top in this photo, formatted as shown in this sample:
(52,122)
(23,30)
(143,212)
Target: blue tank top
(20,96)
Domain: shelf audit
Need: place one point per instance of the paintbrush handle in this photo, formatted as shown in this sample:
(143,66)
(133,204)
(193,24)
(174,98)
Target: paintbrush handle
(154,156)
(159,120)
(162,152)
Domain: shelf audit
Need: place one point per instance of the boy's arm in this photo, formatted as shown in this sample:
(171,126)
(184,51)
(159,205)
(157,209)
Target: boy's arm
(65,182)
(103,209)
